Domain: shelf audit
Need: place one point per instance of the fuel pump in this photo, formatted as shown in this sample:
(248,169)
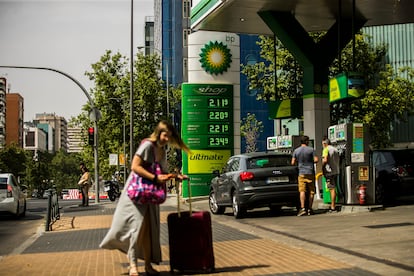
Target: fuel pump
(352,142)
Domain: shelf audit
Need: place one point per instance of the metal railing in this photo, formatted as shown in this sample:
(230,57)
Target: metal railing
(53,213)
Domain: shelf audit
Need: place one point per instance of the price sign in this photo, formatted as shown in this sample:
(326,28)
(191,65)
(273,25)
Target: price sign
(207,129)
(207,115)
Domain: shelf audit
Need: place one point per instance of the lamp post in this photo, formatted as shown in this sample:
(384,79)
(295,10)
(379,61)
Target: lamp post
(131,89)
(166,76)
(123,133)
(94,115)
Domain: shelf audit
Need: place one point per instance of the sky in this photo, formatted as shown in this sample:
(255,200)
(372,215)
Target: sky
(65,35)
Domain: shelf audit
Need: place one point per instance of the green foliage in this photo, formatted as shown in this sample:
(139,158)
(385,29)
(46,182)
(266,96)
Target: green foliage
(389,101)
(250,129)
(111,95)
(64,170)
(388,96)
(12,160)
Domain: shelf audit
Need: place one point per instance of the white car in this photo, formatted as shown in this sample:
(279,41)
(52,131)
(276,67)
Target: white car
(12,195)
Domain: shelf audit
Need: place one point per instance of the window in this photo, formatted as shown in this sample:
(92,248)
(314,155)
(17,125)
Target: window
(186,33)
(186,9)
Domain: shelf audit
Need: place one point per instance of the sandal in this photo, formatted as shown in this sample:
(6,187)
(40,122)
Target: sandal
(133,270)
(149,270)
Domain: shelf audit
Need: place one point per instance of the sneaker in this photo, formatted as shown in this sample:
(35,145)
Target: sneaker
(302,212)
(332,211)
(310,212)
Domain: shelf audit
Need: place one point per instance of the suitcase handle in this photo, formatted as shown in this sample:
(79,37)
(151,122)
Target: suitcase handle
(185,177)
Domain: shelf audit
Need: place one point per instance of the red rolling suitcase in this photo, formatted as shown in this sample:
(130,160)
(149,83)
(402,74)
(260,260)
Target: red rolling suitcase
(190,240)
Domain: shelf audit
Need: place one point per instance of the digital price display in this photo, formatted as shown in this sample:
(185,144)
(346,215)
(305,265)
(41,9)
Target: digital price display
(207,115)
(195,128)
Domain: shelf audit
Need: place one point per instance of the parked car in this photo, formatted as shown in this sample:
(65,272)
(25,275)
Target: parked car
(253,180)
(394,174)
(12,195)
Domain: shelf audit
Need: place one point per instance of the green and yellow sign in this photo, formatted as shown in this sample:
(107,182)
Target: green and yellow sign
(292,108)
(346,85)
(207,128)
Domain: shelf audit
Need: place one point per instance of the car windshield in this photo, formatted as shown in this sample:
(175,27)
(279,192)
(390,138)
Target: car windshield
(268,161)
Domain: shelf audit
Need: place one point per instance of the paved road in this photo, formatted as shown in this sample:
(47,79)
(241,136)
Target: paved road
(380,241)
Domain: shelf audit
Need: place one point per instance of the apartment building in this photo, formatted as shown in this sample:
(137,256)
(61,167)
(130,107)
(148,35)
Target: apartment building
(75,139)
(60,127)
(14,119)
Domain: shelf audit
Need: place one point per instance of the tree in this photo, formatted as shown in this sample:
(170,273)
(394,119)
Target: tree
(250,129)
(385,90)
(64,170)
(13,160)
(390,100)
(111,95)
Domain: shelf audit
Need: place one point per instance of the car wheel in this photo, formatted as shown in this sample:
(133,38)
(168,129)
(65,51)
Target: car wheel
(238,211)
(111,196)
(23,214)
(214,207)
(379,193)
(275,209)
(17,212)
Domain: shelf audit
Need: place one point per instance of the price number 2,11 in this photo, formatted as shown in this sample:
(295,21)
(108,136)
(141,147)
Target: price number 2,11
(216,102)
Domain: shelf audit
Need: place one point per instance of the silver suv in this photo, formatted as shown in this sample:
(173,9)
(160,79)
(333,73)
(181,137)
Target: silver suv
(12,195)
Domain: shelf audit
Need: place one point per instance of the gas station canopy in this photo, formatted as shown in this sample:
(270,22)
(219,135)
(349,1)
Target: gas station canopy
(241,16)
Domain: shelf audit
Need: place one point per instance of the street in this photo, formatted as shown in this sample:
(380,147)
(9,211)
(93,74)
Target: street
(15,232)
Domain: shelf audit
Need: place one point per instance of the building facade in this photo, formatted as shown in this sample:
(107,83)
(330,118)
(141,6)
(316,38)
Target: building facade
(14,119)
(3,88)
(35,139)
(75,139)
(60,127)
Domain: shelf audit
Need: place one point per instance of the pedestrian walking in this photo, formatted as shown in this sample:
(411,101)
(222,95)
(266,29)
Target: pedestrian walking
(135,228)
(305,158)
(85,182)
(330,169)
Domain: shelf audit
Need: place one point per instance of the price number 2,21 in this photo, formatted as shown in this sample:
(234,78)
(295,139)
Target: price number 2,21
(218,128)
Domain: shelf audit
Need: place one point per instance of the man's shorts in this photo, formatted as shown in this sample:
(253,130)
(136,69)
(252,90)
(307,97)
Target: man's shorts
(307,183)
(331,181)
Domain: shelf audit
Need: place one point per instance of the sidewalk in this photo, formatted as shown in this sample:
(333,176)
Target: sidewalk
(240,249)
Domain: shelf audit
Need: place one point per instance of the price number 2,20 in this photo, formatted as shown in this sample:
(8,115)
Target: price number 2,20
(218,141)
(218,115)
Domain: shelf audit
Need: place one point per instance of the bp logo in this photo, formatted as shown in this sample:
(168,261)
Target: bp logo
(215,58)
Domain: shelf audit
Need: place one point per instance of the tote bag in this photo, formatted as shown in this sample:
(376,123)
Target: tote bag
(144,191)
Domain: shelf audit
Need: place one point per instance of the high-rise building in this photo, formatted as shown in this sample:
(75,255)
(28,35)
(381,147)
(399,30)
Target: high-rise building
(60,127)
(171,30)
(75,141)
(35,139)
(14,119)
(3,85)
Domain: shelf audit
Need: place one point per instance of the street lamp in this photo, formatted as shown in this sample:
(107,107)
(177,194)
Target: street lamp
(131,88)
(166,75)
(123,133)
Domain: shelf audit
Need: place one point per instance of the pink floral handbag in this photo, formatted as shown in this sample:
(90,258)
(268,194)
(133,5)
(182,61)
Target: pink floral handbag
(143,191)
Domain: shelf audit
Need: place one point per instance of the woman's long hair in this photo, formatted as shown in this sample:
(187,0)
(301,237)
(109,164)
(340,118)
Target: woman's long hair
(175,139)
